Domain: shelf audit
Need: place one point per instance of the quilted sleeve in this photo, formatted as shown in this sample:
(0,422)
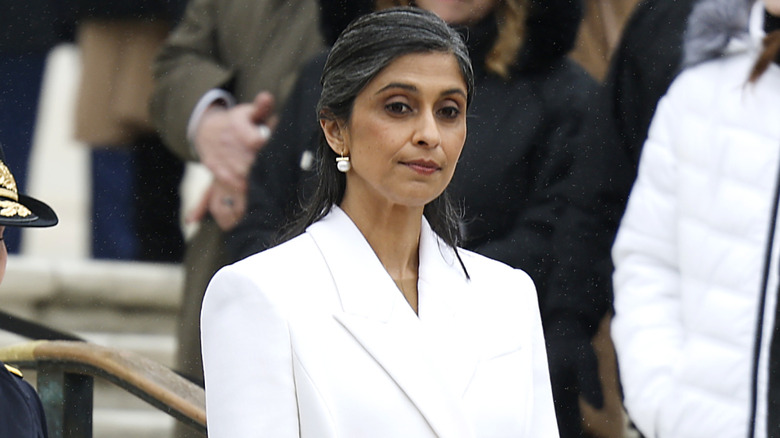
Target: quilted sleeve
(647,328)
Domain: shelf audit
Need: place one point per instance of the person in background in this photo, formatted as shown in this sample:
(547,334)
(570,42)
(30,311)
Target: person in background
(118,40)
(647,59)
(21,412)
(599,33)
(369,320)
(217,78)
(644,64)
(696,261)
(530,110)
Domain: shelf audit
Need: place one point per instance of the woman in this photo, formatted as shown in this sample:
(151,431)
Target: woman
(392,331)
(513,180)
(696,283)
(21,412)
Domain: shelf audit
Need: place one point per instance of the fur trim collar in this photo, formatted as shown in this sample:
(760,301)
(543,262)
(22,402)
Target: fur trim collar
(714,26)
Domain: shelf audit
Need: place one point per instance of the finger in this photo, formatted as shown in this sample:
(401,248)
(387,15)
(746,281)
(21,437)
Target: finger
(226,216)
(264,132)
(262,107)
(220,205)
(272,122)
(232,179)
(223,219)
(239,207)
(250,136)
(261,135)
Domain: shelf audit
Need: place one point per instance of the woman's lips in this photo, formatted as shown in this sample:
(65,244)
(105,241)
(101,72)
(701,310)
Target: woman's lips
(423,167)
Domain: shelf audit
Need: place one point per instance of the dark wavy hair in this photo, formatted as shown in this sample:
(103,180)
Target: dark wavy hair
(365,48)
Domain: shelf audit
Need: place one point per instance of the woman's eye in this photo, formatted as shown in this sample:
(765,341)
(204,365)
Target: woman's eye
(450,112)
(397,108)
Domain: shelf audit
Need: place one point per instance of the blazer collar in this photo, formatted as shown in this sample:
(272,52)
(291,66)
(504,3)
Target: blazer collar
(417,353)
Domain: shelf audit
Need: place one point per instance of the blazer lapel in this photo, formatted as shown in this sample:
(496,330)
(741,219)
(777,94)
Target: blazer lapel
(446,309)
(456,314)
(382,322)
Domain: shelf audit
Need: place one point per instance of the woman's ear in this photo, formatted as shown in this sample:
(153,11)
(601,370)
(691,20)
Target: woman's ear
(334,134)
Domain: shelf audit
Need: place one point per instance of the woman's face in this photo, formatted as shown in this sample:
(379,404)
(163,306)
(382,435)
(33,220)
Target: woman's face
(458,12)
(773,7)
(406,132)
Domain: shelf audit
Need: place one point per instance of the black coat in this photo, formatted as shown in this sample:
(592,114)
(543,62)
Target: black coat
(647,59)
(643,66)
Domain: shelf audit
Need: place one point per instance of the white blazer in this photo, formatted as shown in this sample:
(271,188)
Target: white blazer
(312,338)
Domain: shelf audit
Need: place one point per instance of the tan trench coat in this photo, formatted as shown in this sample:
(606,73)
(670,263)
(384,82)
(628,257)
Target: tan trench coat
(116,79)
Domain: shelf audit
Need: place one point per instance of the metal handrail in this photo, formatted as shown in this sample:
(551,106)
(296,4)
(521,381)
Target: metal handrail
(66,371)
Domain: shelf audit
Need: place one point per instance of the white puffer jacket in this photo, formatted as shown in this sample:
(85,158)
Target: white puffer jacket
(690,252)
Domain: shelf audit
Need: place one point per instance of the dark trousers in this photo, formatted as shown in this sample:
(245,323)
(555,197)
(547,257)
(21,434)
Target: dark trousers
(135,202)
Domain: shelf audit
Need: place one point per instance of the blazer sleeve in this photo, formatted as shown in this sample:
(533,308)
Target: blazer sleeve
(247,361)
(647,329)
(185,69)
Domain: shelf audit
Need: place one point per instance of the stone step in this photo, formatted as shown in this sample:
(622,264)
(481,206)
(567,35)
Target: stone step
(148,334)
(117,304)
(131,423)
(97,282)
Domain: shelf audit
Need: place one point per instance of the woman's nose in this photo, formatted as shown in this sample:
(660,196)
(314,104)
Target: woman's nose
(427,133)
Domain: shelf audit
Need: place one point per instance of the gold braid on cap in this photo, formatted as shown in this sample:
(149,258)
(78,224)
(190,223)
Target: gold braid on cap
(7,183)
(8,190)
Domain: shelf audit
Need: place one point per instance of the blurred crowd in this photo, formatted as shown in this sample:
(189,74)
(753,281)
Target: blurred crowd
(117,43)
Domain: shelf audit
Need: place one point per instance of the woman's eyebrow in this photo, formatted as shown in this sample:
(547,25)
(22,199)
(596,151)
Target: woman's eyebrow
(414,89)
(454,91)
(401,85)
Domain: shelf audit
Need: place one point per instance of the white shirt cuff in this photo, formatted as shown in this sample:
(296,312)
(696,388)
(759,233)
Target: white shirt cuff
(215,95)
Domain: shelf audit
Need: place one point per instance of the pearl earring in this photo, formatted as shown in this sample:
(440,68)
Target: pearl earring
(342,164)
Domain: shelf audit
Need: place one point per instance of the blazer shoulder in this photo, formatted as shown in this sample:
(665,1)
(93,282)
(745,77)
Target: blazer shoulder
(503,299)
(284,253)
(492,277)
(276,270)
(486,266)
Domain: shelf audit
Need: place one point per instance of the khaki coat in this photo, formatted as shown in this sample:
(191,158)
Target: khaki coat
(116,78)
(243,46)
